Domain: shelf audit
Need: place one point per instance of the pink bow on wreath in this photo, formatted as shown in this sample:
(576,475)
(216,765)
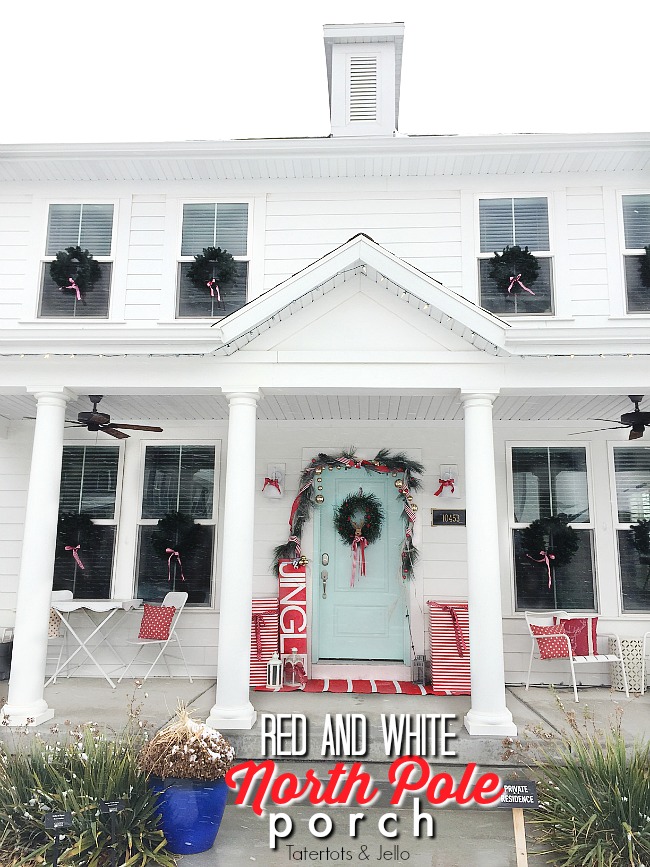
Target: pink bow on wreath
(545,559)
(74,286)
(271,483)
(214,289)
(359,545)
(75,555)
(444,483)
(172,554)
(517,279)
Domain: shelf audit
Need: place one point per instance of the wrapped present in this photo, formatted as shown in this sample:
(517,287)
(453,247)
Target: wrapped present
(264,637)
(449,631)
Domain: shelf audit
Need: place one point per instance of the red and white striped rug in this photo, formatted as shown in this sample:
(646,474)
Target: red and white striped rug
(363,687)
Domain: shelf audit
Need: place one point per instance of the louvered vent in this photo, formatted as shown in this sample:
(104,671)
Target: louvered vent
(363,88)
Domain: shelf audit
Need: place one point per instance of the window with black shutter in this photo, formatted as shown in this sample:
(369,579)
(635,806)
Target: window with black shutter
(223,225)
(523,222)
(178,512)
(87,521)
(89,226)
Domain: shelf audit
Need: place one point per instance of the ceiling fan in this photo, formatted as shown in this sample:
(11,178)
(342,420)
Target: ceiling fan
(637,420)
(101,421)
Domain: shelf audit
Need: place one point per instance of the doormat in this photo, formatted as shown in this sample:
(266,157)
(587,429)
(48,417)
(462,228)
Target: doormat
(362,687)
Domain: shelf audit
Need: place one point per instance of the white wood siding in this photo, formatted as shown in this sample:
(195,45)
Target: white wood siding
(587,258)
(15,226)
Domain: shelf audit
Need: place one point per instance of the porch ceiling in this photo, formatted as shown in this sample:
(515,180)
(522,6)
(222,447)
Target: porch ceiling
(337,407)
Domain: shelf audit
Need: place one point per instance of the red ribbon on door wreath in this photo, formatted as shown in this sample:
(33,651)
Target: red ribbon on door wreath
(359,545)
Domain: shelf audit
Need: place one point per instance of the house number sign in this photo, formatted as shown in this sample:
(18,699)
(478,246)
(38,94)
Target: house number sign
(447,517)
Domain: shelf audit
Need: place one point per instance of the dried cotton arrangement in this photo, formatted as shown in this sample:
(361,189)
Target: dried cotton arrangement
(187,749)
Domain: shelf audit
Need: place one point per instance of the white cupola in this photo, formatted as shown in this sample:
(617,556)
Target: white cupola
(364,66)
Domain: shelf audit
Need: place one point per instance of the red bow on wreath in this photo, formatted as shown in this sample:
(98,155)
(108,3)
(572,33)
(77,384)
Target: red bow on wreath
(214,289)
(545,558)
(444,483)
(359,545)
(517,279)
(173,554)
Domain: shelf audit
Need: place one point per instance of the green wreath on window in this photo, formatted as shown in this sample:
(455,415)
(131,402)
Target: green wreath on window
(75,271)
(641,541)
(76,535)
(211,269)
(553,537)
(176,531)
(359,512)
(644,268)
(514,270)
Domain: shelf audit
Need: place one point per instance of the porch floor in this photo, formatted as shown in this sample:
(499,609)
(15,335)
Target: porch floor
(483,840)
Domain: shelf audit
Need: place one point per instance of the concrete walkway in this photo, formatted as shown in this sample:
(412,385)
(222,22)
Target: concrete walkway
(464,837)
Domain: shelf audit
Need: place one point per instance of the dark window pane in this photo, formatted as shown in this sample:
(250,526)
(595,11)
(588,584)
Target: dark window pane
(215,225)
(94,581)
(62,228)
(152,578)
(71,478)
(632,467)
(531,224)
(100,482)
(160,491)
(572,587)
(635,574)
(504,304)
(530,481)
(496,224)
(197,481)
(198,303)
(87,226)
(198,228)
(64,305)
(636,219)
(638,295)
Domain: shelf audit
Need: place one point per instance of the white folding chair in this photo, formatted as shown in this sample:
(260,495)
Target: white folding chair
(644,664)
(58,595)
(548,618)
(178,600)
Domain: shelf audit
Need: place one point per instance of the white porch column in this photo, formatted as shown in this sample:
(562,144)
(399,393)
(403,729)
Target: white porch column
(232,709)
(26,704)
(488,714)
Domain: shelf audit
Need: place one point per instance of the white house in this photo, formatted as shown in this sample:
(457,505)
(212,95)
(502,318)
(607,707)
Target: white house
(361,314)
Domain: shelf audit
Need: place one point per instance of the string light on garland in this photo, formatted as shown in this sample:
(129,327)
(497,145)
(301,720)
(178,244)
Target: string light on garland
(384,462)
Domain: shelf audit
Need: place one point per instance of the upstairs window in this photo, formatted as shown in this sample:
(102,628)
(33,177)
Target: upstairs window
(223,225)
(632,473)
(178,512)
(636,226)
(547,482)
(87,518)
(90,227)
(506,223)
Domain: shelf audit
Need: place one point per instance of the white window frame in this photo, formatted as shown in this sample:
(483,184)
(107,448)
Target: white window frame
(115,520)
(540,254)
(518,525)
(628,251)
(179,260)
(45,260)
(617,525)
(209,522)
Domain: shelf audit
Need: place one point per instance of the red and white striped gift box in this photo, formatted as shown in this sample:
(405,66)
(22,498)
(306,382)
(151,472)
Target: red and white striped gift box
(265,626)
(449,630)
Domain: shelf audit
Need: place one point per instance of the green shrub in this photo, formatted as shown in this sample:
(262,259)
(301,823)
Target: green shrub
(75,775)
(594,798)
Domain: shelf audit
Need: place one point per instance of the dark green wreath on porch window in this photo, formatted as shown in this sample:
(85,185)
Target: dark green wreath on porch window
(644,268)
(75,271)
(641,540)
(552,536)
(359,510)
(213,264)
(76,534)
(176,530)
(514,270)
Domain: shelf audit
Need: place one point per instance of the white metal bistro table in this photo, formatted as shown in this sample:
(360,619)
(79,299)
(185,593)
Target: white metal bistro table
(109,607)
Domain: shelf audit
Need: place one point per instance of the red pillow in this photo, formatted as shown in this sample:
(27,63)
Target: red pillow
(551,648)
(581,634)
(156,621)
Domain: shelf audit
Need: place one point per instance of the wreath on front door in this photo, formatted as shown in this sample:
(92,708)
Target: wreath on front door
(211,269)
(358,522)
(514,270)
(75,271)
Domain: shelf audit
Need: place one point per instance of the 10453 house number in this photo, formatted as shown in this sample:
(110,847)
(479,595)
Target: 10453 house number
(447,517)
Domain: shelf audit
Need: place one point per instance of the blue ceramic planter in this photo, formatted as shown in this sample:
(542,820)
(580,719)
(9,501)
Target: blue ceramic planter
(191,812)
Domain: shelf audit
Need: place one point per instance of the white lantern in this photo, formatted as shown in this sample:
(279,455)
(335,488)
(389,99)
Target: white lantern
(274,672)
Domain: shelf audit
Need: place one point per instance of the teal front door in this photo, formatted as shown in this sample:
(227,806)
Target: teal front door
(366,621)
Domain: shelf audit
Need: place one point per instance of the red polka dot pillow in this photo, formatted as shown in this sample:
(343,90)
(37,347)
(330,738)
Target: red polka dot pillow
(156,621)
(551,647)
